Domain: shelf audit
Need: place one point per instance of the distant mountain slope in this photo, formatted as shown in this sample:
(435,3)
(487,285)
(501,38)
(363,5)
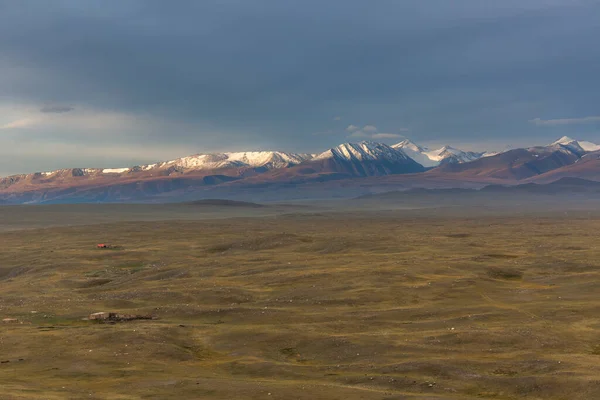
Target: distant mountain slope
(563,187)
(112,190)
(516,164)
(588,167)
(77,177)
(233,165)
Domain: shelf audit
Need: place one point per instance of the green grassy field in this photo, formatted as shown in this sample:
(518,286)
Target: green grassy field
(394,305)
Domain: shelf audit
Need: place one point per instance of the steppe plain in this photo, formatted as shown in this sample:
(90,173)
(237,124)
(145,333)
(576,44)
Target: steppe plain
(300,302)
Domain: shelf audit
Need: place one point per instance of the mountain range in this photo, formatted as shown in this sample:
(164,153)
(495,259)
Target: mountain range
(346,170)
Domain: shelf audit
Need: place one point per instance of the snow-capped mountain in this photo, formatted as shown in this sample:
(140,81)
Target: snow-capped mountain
(448,154)
(564,157)
(364,151)
(267,160)
(520,163)
(408,145)
(211,161)
(578,144)
(366,159)
(254,159)
(432,158)
(415,152)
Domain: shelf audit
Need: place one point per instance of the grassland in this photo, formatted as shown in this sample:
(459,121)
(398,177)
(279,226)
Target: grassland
(395,305)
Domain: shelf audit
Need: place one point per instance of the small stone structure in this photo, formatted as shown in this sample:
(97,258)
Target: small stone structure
(116,317)
(98,316)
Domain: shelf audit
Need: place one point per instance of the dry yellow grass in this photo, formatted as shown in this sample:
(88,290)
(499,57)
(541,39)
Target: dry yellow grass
(326,306)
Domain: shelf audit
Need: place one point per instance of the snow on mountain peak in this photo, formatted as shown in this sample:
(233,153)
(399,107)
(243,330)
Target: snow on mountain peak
(364,151)
(432,158)
(249,159)
(114,170)
(407,144)
(588,146)
(564,140)
(454,155)
(361,151)
(577,144)
(269,159)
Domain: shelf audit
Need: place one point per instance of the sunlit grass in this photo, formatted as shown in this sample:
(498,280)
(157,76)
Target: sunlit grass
(360,306)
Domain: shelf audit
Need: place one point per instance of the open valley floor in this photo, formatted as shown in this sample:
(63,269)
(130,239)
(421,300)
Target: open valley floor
(299,304)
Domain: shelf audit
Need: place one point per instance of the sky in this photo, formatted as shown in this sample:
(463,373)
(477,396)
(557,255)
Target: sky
(114,83)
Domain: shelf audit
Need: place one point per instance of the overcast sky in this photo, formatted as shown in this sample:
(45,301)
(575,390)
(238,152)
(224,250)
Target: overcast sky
(120,82)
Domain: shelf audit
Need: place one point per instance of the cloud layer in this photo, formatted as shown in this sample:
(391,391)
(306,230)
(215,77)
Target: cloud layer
(565,121)
(371,132)
(56,109)
(229,75)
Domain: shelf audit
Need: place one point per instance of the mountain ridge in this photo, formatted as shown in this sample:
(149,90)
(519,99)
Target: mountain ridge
(351,164)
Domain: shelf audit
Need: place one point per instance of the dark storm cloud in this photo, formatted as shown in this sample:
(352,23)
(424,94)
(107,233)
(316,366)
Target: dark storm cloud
(273,73)
(56,109)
